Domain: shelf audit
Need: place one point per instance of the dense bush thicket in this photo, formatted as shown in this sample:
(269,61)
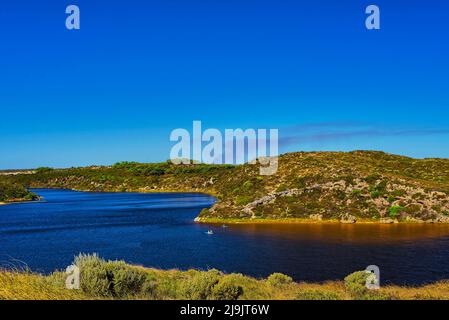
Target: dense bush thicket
(109,278)
(226,290)
(157,169)
(355,284)
(116,279)
(13,191)
(279,279)
(200,286)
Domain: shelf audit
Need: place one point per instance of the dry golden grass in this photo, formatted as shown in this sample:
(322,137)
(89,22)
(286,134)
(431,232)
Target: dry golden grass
(28,286)
(435,291)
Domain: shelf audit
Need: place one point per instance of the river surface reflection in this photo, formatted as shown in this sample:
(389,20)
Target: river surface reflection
(157,230)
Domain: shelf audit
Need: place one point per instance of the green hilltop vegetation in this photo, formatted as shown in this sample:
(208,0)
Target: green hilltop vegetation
(345,186)
(101,279)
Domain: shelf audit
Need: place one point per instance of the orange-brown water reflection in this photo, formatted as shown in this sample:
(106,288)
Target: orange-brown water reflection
(335,232)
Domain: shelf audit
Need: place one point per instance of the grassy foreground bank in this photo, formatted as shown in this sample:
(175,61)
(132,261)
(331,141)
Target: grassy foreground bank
(102,279)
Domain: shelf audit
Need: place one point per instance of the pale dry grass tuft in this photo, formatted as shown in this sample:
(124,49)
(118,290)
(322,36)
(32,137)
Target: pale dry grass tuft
(28,286)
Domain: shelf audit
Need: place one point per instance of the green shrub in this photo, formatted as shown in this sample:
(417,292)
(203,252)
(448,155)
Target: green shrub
(317,295)
(279,279)
(340,195)
(301,182)
(226,290)
(378,189)
(373,178)
(108,278)
(355,284)
(29,197)
(394,211)
(242,200)
(248,185)
(281,188)
(169,286)
(44,170)
(200,286)
(375,194)
(94,277)
(126,280)
(398,193)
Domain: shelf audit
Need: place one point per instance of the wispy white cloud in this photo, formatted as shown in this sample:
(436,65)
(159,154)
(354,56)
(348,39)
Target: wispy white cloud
(335,131)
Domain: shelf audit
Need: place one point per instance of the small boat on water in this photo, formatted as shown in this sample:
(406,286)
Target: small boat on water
(209,232)
(224,226)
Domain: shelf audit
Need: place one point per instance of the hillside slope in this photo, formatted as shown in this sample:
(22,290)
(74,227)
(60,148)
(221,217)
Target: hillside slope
(308,185)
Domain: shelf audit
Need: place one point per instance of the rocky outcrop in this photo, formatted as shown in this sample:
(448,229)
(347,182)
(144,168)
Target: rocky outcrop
(316,217)
(248,209)
(348,219)
(442,219)
(414,220)
(388,221)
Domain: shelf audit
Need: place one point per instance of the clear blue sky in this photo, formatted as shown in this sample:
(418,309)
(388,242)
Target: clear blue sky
(115,89)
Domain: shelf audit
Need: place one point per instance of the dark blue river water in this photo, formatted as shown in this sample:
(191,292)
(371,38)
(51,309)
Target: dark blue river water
(157,230)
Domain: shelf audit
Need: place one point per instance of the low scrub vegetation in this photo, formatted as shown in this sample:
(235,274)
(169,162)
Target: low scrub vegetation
(365,184)
(101,279)
(279,280)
